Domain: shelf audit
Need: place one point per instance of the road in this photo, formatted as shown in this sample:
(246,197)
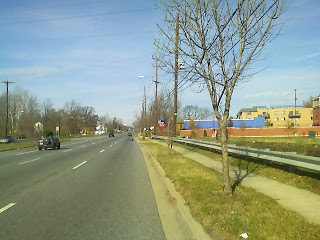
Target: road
(92,188)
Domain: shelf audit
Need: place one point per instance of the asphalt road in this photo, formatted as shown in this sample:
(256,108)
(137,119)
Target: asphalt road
(92,188)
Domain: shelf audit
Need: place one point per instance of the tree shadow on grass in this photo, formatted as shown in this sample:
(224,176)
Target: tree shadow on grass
(244,169)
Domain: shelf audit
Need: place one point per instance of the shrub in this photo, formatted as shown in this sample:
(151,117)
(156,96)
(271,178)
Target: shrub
(193,134)
(48,133)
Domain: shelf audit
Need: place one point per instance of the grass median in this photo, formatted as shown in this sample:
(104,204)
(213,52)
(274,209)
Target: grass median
(299,178)
(300,145)
(227,217)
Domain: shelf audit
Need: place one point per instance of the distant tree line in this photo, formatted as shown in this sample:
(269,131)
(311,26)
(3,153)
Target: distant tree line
(25,110)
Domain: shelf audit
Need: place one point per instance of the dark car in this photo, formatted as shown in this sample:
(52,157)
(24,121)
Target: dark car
(111,134)
(129,134)
(49,142)
(7,139)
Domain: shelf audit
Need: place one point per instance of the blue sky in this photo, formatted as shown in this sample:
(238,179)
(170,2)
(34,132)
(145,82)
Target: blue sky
(94,51)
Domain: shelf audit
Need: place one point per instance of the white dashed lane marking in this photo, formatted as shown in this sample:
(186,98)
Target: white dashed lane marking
(18,154)
(79,165)
(7,207)
(29,161)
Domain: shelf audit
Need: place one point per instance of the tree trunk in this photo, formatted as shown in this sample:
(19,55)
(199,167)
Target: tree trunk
(227,190)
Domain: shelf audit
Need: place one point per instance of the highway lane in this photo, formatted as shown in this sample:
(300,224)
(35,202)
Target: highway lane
(21,168)
(94,188)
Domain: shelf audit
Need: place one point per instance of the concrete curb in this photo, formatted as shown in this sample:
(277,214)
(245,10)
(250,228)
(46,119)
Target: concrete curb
(186,227)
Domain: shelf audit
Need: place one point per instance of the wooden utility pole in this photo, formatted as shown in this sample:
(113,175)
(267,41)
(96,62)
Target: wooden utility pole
(176,69)
(7,82)
(156,99)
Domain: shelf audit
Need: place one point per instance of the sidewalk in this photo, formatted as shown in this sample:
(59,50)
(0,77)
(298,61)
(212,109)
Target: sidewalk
(301,201)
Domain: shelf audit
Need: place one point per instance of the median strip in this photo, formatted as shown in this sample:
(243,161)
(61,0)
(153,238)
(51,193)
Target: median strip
(29,161)
(7,207)
(67,150)
(79,165)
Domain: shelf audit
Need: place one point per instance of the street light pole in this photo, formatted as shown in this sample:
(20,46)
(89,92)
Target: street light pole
(156,100)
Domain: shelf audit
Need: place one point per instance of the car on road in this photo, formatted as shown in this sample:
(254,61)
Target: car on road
(7,139)
(49,142)
(129,134)
(111,134)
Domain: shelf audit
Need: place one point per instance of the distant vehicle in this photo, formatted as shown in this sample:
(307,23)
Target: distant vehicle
(129,134)
(49,142)
(111,134)
(7,139)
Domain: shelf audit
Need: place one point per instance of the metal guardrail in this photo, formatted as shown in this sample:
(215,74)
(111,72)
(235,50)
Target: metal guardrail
(292,159)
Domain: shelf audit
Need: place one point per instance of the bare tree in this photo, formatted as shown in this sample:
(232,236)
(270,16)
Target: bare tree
(195,112)
(308,103)
(218,42)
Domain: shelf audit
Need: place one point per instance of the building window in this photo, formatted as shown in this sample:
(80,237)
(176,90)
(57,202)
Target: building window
(283,112)
(283,119)
(249,113)
(311,111)
(291,113)
(276,113)
(311,118)
(264,113)
(276,119)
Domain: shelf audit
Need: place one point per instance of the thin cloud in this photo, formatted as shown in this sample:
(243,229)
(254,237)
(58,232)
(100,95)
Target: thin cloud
(308,56)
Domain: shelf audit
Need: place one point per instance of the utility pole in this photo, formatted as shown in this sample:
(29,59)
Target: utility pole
(156,99)
(176,69)
(7,82)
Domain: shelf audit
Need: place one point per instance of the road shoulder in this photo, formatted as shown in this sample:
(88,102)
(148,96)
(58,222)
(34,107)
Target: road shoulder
(175,215)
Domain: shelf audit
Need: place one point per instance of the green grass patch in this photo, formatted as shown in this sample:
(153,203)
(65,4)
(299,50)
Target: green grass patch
(301,145)
(302,179)
(227,217)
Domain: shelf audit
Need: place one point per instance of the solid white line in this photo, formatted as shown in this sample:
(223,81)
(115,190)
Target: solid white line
(67,150)
(29,161)
(93,143)
(102,151)
(111,145)
(79,165)
(7,207)
(83,146)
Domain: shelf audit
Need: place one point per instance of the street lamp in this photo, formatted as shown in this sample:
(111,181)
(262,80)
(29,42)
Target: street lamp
(156,108)
(72,123)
